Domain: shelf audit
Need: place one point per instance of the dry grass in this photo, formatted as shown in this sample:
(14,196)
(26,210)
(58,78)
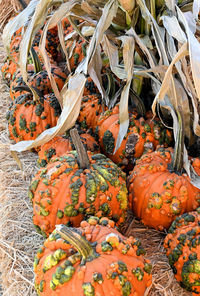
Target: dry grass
(19,241)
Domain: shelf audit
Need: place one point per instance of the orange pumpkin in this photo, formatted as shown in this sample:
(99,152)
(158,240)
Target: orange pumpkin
(65,192)
(182,246)
(156,194)
(76,51)
(91,108)
(8,69)
(28,118)
(94,259)
(141,136)
(60,145)
(196,165)
(39,80)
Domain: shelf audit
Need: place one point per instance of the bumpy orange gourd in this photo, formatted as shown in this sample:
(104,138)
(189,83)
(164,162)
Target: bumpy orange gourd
(156,195)
(93,260)
(196,165)
(38,80)
(91,109)
(27,118)
(143,135)
(64,193)
(60,145)
(76,51)
(182,245)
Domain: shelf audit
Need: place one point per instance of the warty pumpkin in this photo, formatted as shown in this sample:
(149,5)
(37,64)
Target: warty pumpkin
(27,118)
(39,80)
(62,144)
(76,52)
(142,136)
(159,190)
(182,246)
(157,193)
(76,185)
(91,109)
(93,260)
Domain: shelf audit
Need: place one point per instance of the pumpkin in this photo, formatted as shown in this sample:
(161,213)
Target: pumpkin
(158,193)
(60,145)
(27,118)
(93,260)
(8,69)
(196,165)
(76,185)
(90,87)
(76,52)
(39,80)
(91,109)
(143,135)
(182,246)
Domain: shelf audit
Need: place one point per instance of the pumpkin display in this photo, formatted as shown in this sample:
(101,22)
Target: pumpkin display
(143,135)
(157,192)
(27,118)
(75,185)
(61,144)
(93,260)
(91,109)
(182,246)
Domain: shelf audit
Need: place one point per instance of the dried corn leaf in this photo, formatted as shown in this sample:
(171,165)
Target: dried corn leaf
(62,11)
(111,50)
(166,84)
(19,21)
(170,23)
(194,51)
(157,31)
(128,57)
(94,71)
(108,13)
(34,25)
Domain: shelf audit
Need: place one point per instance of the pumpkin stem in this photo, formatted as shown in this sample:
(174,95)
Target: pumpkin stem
(177,160)
(84,161)
(36,61)
(27,88)
(78,242)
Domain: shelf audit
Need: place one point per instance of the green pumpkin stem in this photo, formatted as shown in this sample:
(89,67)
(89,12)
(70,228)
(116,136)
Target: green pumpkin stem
(84,161)
(177,160)
(77,241)
(36,61)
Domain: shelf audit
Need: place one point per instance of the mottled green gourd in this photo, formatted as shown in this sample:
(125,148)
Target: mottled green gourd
(72,187)
(73,262)
(182,245)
